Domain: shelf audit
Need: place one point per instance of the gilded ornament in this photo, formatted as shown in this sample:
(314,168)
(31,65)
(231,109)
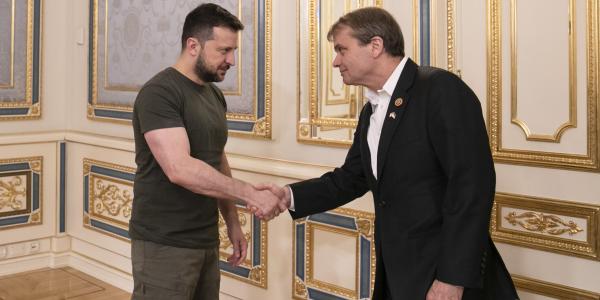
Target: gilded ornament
(304,130)
(260,127)
(35,110)
(13,193)
(542,223)
(364,227)
(112,200)
(299,287)
(256,274)
(90,111)
(36,166)
(86,168)
(35,217)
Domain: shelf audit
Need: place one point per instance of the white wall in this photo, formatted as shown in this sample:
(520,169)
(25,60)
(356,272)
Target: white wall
(281,159)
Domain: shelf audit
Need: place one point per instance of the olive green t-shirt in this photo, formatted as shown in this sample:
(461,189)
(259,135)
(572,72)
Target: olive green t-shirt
(164,212)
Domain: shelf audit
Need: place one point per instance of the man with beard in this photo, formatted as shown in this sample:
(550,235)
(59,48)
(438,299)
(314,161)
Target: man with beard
(183,177)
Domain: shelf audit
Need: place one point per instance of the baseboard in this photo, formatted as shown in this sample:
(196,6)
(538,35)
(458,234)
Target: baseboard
(25,263)
(93,268)
(100,271)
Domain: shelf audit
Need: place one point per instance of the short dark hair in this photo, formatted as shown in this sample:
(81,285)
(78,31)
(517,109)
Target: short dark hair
(369,22)
(200,21)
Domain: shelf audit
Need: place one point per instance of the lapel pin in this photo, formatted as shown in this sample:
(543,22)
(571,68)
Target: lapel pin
(399,102)
(393,115)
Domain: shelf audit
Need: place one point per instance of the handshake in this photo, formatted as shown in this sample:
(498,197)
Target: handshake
(268,200)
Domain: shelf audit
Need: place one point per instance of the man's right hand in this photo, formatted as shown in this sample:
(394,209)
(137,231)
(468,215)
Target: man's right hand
(264,204)
(283,200)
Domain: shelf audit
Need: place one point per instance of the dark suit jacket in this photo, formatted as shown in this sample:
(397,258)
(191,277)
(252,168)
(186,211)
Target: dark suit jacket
(434,192)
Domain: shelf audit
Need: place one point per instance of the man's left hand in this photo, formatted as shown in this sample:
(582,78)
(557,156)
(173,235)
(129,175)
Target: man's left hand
(443,291)
(239,243)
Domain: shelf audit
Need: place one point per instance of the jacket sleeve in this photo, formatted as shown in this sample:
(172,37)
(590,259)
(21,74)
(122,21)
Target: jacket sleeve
(459,138)
(335,188)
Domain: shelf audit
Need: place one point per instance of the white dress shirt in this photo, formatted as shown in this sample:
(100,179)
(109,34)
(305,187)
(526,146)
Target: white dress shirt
(379,101)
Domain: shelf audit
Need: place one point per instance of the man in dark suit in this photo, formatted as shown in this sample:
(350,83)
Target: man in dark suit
(422,148)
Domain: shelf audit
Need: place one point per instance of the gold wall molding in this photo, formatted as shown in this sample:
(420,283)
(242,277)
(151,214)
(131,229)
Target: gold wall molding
(451,36)
(11,67)
(319,77)
(572,122)
(588,161)
(349,223)
(545,225)
(253,121)
(108,197)
(552,290)
(13,110)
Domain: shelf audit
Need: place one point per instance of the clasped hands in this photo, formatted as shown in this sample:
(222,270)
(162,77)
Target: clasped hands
(269,200)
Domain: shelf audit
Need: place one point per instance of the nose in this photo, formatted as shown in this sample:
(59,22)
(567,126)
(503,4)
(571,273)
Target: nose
(230,58)
(336,61)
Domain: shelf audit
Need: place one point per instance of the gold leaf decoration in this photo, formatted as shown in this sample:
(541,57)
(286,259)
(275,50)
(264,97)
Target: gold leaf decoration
(86,168)
(260,127)
(35,217)
(112,200)
(36,166)
(256,273)
(299,287)
(542,223)
(364,226)
(12,193)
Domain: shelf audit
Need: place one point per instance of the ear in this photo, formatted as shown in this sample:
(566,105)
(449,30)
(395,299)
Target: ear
(193,46)
(377,47)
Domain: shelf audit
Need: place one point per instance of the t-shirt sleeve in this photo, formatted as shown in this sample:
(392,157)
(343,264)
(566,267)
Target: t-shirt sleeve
(156,107)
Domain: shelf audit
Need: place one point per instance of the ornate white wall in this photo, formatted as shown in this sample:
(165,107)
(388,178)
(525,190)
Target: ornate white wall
(558,179)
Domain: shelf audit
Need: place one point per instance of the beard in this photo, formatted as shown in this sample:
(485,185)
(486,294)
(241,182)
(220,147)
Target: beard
(207,75)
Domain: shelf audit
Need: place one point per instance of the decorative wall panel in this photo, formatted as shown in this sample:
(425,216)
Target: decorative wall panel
(254,269)
(315,277)
(552,225)
(118,68)
(328,109)
(552,290)
(20,192)
(107,197)
(566,134)
(20,40)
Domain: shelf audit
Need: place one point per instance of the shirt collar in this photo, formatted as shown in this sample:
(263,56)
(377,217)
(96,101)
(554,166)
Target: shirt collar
(388,86)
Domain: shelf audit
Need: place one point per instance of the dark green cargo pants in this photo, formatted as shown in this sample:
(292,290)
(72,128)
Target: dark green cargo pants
(163,272)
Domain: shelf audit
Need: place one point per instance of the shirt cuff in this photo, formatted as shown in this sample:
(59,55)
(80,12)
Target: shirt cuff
(292,206)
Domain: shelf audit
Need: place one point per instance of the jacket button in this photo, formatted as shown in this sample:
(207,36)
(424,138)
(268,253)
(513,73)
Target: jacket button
(382,203)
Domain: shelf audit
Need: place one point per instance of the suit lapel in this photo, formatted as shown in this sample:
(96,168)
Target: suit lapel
(391,123)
